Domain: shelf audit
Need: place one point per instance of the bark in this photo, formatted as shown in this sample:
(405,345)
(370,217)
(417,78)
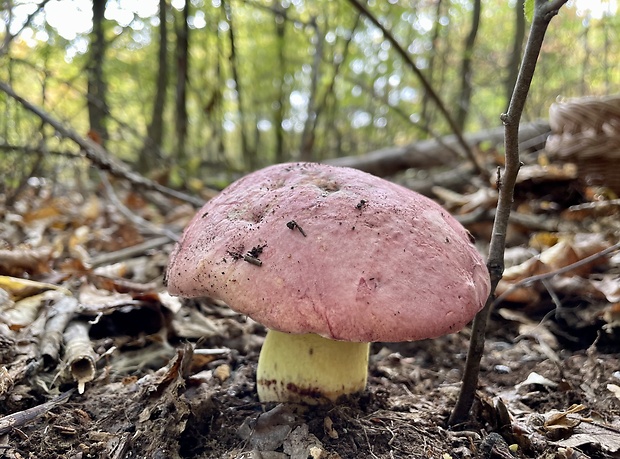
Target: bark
(464,97)
(432,152)
(308,134)
(151,150)
(432,60)
(182,68)
(280,24)
(544,11)
(329,93)
(249,156)
(97,89)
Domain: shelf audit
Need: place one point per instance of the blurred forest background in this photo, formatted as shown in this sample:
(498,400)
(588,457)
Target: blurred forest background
(190,92)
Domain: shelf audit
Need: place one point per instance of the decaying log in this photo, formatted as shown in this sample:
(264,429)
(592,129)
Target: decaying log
(433,152)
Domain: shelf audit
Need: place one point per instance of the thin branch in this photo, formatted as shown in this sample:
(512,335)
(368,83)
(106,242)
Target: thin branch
(428,88)
(557,272)
(134,218)
(21,418)
(97,154)
(9,37)
(544,11)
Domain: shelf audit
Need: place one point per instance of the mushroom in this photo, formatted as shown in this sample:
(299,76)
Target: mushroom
(329,259)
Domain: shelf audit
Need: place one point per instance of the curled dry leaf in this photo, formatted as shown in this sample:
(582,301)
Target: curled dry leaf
(614,389)
(24,312)
(608,285)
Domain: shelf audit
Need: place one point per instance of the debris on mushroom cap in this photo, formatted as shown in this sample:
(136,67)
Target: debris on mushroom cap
(375,262)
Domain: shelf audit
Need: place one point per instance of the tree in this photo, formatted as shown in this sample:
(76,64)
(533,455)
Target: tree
(182,69)
(151,150)
(464,97)
(97,89)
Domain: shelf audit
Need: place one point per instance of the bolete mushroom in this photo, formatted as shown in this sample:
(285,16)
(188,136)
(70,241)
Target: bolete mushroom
(329,259)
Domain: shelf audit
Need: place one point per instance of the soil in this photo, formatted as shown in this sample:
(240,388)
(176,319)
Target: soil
(176,379)
(202,404)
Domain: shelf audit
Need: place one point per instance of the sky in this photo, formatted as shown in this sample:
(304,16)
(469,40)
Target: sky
(72,18)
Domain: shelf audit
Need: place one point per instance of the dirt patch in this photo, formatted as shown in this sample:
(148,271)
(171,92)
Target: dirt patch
(197,407)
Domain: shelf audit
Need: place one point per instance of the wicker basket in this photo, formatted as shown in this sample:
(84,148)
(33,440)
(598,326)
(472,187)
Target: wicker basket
(586,131)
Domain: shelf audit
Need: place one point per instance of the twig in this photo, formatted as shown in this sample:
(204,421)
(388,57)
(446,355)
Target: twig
(15,420)
(97,154)
(128,252)
(131,216)
(8,38)
(428,88)
(562,270)
(595,205)
(544,11)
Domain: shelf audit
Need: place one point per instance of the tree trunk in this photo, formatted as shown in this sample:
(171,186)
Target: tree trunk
(432,60)
(150,154)
(97,105)
(464,97)
(278,116)
(182,58)
(308,134)
(248,154)
(517,49)
(329,92)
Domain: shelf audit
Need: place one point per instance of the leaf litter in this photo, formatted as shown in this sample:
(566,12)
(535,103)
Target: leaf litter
(83,306)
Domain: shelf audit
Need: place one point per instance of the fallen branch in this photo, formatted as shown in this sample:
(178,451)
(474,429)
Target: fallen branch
(428,88)
(433,152)
(107,258)
(59,315)
(96,154)
(21,418)
(79,355)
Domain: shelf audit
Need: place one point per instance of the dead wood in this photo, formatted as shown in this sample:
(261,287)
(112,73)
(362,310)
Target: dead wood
(19,419)
(97,155)
(60,314)
(431,153)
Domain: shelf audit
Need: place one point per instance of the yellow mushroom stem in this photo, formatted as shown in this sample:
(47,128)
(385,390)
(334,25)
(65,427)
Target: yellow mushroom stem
(310,369)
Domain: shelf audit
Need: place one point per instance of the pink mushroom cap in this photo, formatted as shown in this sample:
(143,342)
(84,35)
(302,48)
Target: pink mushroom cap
(311,248)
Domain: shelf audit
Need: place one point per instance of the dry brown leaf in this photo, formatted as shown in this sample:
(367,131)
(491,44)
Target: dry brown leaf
(21,288)
(559,255)
(607,438)
(550,172)
(608,285)
(18,260)
(99,300)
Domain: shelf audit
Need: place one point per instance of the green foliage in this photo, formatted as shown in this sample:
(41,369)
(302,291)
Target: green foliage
(528,8)
(365,97)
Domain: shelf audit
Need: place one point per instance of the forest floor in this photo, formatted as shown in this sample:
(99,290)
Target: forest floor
(165,378)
